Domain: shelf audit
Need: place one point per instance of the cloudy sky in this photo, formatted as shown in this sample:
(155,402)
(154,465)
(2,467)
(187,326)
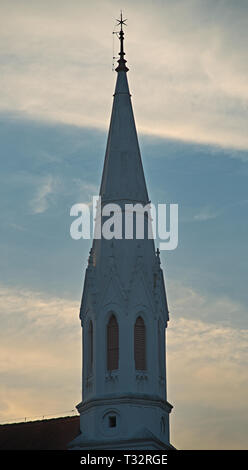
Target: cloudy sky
(188,74)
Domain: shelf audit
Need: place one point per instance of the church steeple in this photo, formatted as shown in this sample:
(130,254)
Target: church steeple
(123,175)
(124,311)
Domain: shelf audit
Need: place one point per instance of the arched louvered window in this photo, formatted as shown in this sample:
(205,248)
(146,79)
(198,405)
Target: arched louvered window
(90,347)
(112,344)
(140,344)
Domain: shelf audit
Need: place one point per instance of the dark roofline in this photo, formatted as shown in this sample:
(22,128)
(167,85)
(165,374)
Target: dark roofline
(45,434)
(40,420)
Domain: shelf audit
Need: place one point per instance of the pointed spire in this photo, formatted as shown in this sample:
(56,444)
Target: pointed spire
(121,61)
(123,175)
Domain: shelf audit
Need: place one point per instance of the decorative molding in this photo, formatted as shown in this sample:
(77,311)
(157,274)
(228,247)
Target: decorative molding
(141,376)
(112,377)
(131,398)
(138,443)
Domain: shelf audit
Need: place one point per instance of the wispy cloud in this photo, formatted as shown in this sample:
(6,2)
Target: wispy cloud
(207,359)
(207,370)
(40,202)
(217,309)
(40,351)
(207,365)
(206,214)
(188,83)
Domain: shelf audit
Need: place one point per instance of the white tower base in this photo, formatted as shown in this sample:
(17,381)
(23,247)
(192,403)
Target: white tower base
(137,423)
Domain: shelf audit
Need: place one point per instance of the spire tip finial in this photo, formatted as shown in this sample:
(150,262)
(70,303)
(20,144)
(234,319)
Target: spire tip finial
(121,22)
(121,61)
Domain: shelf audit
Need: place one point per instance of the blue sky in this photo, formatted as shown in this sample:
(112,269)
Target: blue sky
(188,78)
(48,167)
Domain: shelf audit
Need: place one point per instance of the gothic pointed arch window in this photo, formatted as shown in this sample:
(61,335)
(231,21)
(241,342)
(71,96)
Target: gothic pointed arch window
(90,347)
(140,344)
(112,344)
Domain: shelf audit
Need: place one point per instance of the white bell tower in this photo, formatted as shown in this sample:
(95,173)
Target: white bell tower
(124,311)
